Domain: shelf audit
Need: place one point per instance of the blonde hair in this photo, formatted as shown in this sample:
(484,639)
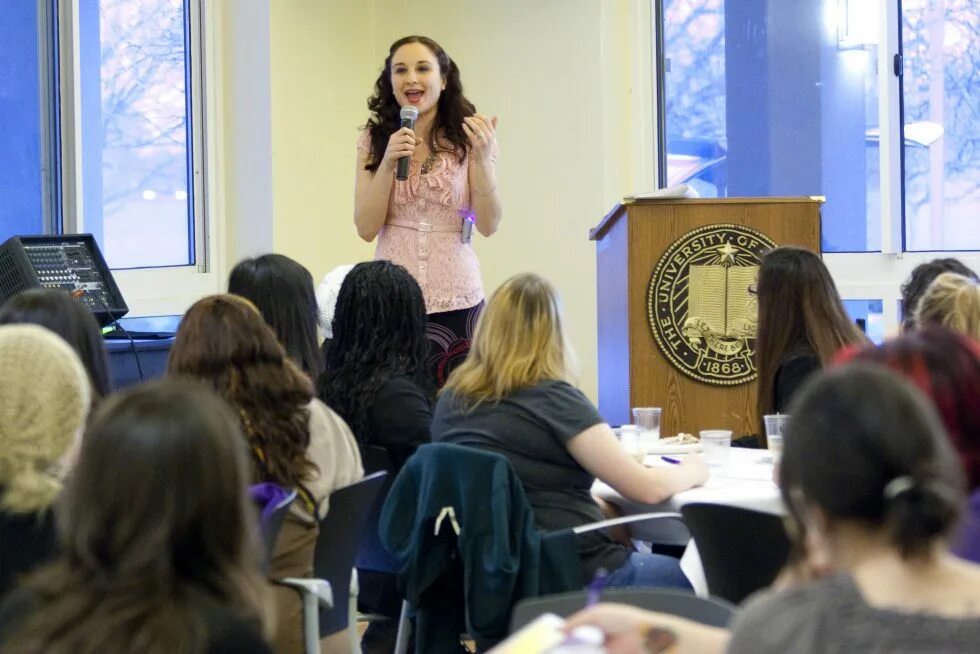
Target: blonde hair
(952,301)
(519,342)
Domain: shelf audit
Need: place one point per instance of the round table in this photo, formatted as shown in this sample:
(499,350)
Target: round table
(746,482)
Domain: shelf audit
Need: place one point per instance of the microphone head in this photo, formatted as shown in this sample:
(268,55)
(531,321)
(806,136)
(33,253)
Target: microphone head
(409,112)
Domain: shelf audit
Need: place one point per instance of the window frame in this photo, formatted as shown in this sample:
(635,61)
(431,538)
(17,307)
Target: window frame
(168,289)
(874,275)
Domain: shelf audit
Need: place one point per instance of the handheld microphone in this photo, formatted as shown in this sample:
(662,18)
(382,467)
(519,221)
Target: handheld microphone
(408,115)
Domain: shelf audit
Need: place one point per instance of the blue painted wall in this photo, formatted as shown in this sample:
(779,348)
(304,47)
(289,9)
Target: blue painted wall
(21,210)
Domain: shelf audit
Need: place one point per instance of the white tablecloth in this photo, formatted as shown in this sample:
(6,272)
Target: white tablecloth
(746,482)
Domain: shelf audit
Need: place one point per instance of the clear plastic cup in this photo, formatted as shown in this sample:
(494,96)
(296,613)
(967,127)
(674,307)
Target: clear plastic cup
(775,424)
(716,446)
(647,419)
(629,438)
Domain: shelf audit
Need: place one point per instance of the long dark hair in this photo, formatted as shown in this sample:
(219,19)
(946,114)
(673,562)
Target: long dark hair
(452,108)
(378,333)
(800,311)
(282,289)
(945,366)
(154,521)
(864,445)
(69,319)
(223,341)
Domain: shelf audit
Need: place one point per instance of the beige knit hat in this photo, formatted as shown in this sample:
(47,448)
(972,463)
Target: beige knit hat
(326,297)
(44,400)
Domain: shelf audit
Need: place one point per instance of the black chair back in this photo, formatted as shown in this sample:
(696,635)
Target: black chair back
(371,554)
(336,546)
(708,611)
(741,550)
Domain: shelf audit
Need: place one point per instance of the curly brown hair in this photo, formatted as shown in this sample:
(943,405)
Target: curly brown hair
(224,341)
(453,107)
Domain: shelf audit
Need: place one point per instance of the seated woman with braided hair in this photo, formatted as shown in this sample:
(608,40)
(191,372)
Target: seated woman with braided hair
(375,375)
(377,380)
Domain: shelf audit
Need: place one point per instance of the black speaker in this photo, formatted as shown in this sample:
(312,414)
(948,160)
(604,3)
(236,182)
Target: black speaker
(72,262)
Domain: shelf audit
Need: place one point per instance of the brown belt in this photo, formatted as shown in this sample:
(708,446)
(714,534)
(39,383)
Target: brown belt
(426,227)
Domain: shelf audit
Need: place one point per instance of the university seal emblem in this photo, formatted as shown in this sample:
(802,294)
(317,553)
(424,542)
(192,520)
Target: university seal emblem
(701,309)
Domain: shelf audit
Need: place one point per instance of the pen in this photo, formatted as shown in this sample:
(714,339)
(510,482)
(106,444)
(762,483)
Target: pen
(594,590)
(670,460)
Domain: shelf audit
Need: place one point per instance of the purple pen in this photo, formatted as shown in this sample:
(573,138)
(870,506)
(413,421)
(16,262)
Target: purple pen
(594,590)
(670,460)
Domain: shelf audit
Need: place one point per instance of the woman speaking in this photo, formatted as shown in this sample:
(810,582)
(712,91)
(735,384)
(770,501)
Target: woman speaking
(424,222)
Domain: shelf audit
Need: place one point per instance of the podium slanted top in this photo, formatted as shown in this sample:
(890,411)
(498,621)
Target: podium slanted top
(618,209)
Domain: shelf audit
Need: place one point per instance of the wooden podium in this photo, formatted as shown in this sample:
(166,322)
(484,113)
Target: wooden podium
(635,367)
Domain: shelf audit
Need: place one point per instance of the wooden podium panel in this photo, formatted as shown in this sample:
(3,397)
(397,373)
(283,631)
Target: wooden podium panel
(633,371)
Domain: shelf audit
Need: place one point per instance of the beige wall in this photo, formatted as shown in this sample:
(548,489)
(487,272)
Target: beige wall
(557,73)
(322,65)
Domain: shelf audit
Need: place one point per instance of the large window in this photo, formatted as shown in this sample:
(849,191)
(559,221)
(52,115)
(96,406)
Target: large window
(941,40)
(137,115)
(100,107)
(768,99)
(772,97)
(873,104)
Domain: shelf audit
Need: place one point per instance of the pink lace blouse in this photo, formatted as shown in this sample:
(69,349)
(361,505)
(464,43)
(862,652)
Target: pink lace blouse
(423,232)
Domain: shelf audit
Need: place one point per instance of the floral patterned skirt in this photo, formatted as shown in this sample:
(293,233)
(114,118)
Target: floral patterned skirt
(450,334)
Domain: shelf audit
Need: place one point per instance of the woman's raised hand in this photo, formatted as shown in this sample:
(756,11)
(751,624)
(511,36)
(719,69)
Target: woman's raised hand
(482,133)
(401,144)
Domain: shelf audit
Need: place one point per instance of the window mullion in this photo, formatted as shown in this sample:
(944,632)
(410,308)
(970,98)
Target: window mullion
(890,121)
(69,118)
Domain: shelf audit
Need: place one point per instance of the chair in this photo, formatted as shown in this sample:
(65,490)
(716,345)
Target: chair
(709,611)
(741,550)
(333,557)
(371,554)
(326,597)
(475,493)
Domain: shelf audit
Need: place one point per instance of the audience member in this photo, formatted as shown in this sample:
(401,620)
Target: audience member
(513,396)
(71,320)
(282,289)
(873,490)
(44,401)
(326,299)
(951,301)
(156,538)
(295,440)
(377,379)
(802,324)
(375,375)
(920,279)
(946,368)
